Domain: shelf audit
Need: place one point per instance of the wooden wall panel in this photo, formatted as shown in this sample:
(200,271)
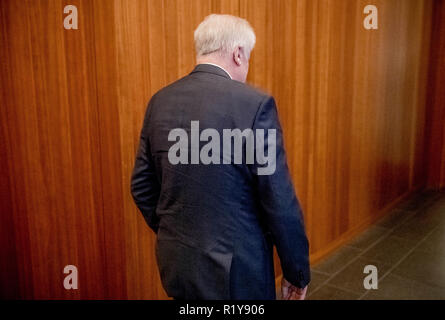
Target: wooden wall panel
(14,49)
(84,144)
(9,270)
(351,101)
(49,120)
(435,119)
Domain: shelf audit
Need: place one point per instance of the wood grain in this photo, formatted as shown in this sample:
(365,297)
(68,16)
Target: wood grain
(435,118)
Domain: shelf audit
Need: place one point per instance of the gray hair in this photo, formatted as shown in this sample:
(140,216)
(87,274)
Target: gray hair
(222,32)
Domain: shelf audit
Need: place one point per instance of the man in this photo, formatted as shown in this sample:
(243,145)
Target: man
(217,220)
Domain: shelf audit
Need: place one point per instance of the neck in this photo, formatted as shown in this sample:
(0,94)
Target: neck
(215,61)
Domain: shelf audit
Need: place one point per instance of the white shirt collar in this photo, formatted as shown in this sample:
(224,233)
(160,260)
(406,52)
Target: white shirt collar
(218,67)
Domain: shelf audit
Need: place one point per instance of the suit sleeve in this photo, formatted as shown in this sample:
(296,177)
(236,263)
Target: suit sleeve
(145,187)
(279,204)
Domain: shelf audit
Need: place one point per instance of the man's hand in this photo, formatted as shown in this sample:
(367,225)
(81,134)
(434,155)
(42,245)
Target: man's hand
(291,292)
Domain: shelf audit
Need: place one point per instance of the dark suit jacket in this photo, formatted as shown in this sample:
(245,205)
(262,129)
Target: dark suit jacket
(216,224)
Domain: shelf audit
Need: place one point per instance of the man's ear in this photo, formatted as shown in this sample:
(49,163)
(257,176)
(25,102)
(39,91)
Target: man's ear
(237,56)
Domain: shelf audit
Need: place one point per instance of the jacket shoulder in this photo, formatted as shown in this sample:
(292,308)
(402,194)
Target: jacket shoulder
(229,93)
(250,91)
(166,90)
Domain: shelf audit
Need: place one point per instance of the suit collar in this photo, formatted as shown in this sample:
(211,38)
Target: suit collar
(210,68)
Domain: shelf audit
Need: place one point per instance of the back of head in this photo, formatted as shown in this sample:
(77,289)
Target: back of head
(223,33)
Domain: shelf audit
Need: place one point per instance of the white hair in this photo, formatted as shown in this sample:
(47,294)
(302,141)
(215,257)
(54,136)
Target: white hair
(222,32)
